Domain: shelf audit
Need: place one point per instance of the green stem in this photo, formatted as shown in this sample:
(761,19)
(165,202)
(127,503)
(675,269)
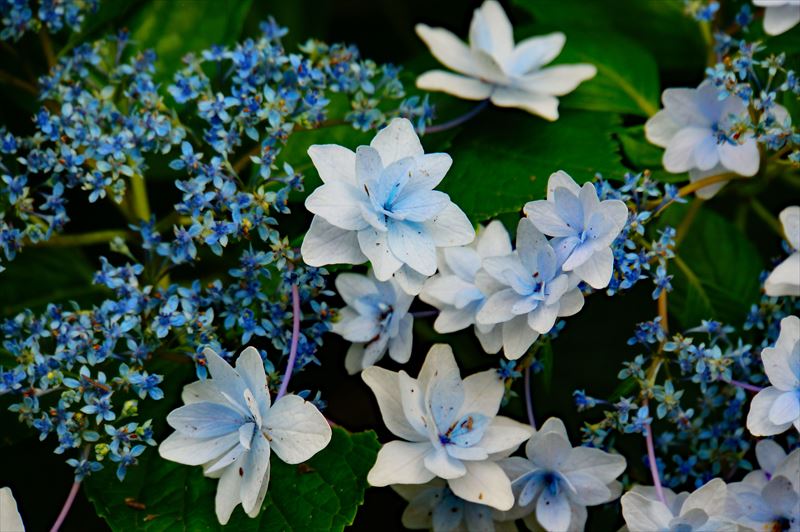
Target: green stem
(84,239)
(766,216)
(139,202)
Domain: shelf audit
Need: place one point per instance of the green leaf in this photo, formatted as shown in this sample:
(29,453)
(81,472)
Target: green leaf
(503,158)
(658,26)
(175,28)
(322,494)
(716,270)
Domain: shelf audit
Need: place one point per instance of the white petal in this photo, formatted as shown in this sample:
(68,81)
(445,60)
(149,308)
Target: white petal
(708,191)
(644,515)
(225,377)
(781,362)
(542,105)
(400,345)
(781,18)
(790,219)
(497,308)
(554,425)
(561,179)
(451,227)
(228,494)
(334,163)
(443,465)
(254,471)
(375,245)
(543,318)
(598,269)
(438,362)
(758,418)
(484,483)
(205,420)
(553,511)
(784,280)
(411,243)
(743,159)
(483,393)
(491,31)
(250,367)
(10,520)
(517,337)
(548,450)
(769,455)
(546,218)
(448,49)
(353,286)
(327,244)
(534,52)
(339,203)
(706,154)
(710,498)
(205,391)
(422,501)
(558,80)
(429,170)
(196,451)
(595,462)
(369,167)
(570,303)
(679,155)
(453,319)
(297,430)
(504,435)
(409,280)
(493,240)
(397,141)
(400,462)
(660,128)
(384,384)
(354,359)
(455,84)
(491,340)
(785,409)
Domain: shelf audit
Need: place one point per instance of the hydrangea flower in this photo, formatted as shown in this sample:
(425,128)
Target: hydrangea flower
(775,408)
(376,319)
(703,510)
(583,227)
(556,482)
(780,15)
(694,128)
(449,429)
(461,287)
(434,506)
(10,520)
(228,426)
(773,462)
(785,278)
(379,204)
(493,67)
(535,292)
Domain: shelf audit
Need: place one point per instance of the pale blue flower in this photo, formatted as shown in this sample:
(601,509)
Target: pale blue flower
(449,429)
(556,482)
(779,15)
(376,319)
(229,426)
(535,292)
(379,204)
(583,227)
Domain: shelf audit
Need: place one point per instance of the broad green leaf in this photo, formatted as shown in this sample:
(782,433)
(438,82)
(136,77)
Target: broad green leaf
(174,28)
(659,26)
(503,158)
(322,494)
(716,270)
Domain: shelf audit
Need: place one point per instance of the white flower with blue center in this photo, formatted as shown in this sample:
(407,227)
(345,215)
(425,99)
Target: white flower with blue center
(535,292)
(707,509)
(461,287)
(694,128)
(493,67)
(376,319)
(779,15)
(229,427)
(379,204)
(784,280)
(772,461)
(582,227)
(556,482)
(434,506)
(776,408)
(449,429)
(10,520)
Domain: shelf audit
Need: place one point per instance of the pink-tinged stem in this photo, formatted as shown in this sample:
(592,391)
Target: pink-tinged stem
(73,492)
(651,458)
(749,387)
(293,346)
(444,126)
(528,400)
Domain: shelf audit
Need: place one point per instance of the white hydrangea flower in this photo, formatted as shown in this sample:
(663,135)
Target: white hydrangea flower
(772,461)
(776,408)
(376,319)
(433,506)
(692,128)
(10,520)
(785,278)
(229,427)
(493,67)
(583,227)
(769,501)
(461,287)
(535,293)
(556,482)
(707,509)
(449,429)
(379,204)
(780,15)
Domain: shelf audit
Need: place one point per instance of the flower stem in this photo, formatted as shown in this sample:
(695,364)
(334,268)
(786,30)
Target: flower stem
(73,492)
(528,400)
(696,185)
(763,213)
(458,120)
(651,458)
(746,386)
(84,239)
(293,346)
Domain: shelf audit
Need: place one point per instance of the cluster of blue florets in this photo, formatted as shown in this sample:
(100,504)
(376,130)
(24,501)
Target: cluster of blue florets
(79,374)
(18,17)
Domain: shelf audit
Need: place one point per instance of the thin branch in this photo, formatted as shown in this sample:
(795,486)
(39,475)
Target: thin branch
(293,346)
